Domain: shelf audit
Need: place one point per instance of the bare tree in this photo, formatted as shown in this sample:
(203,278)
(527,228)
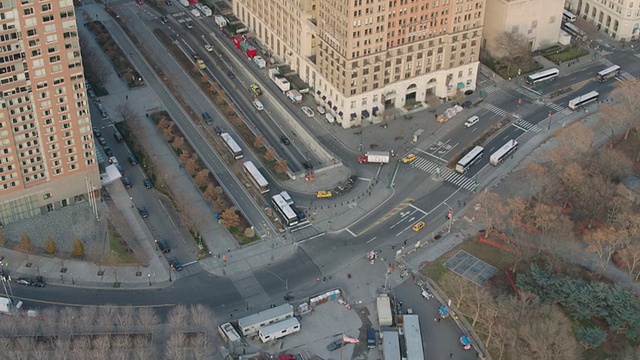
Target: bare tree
(142,349)
(101,346)
(60,348)
(571,181)
(611,125)
(106,317)
(610,163)
(147,318)
(271,153)
(628,109)
(125,318)
(50,320)
(512,48)
(178,317)
(603,243)
(127,113)
(230,218)
(86,318)
(202,345)
(192,165)
(258,142)
(69,319)
(178,143)
(281,166)
(544,335)
(210,193)
(629,259)
(202,177)
(477,301)
(174,348)
(492,211)
(201,316)
(40,352)
(457,287)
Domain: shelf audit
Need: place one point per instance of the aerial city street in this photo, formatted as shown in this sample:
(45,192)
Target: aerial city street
(258,179)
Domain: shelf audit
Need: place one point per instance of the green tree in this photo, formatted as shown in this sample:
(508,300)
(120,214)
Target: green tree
(77,248)
(49,246)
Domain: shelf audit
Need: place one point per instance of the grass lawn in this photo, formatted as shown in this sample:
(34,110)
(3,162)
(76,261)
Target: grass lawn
(568,54)
(120,252)
(491,255)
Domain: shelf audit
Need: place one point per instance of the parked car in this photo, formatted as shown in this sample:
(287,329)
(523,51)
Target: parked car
(164,19)
(322,194)
(168,2)
(102,140)
(97,132)
(320,109)
(113,160)
(108,151)
(143,212)
(174,263)
(132,160)
(231,75)
(335,345)
(307,111)
(25,282)
(163,245)
(208,47)
(467,104)
(127,182)
(207,118)
(147,183)
(120,169)
(39,281)
(189,25)
(285,140)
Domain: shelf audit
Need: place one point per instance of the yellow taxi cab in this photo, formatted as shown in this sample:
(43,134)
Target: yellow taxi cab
(409,158)
(418,226)
(255,89)
(323,194)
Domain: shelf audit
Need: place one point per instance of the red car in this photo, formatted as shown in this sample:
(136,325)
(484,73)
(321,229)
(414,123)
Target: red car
(139,2)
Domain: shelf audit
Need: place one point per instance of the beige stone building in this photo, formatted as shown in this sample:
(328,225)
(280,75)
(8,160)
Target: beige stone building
(362,56)
(47,152)
(620,19)
(539,21)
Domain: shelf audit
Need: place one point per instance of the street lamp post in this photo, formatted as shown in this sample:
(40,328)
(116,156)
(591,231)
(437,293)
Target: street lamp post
(149,277)
(73,281)
(549,122)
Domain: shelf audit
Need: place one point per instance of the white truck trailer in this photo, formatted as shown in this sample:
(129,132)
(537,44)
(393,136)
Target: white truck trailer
(385,318)
(375,157)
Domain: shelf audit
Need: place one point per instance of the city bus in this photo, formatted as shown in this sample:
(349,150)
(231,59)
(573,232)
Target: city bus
(471,158)
(256,177)
(544,75)
(608,73)
(507,149)
(231,144)
(289,216)
(568,16)
(583,100)
(574,31)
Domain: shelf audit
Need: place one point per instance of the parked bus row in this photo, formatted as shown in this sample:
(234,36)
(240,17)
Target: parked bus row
(495,159)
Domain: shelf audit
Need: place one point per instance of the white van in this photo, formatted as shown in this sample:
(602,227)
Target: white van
(471,121)
(329,118)
(258,105)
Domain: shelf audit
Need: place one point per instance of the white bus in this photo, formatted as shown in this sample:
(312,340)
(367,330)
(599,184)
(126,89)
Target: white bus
(568,16)
(544,75)
(583,100)
(608,73)
(471,158)
(233,147)
(498,157)
(288,215)
(256,177)
(574,31)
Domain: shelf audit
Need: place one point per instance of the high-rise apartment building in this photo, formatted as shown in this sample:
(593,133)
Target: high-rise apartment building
(620,18)
(363,56)
(47,152)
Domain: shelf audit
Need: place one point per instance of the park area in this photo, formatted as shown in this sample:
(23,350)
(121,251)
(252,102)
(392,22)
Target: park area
(564,236)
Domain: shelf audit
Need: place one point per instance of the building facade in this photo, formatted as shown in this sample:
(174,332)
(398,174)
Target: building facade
(47,152)
(363,56)
(539,21)
(620,19)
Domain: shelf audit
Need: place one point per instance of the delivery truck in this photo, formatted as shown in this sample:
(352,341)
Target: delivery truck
(294,96)
(374,157)
(220,21)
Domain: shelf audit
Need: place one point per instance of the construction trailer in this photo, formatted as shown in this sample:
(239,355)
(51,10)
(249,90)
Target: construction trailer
(253,323)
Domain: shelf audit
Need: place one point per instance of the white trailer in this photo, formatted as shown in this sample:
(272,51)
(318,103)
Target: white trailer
(384,310)
(206,11)
(253,323)
(279,329)
(294,96)
(282,83)
(375,157)
(184,3)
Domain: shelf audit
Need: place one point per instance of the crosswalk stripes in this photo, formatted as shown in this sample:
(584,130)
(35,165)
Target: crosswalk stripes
(527,93)
(446,173)
(558,108)
(495,109)
(527,126)
(491,88)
